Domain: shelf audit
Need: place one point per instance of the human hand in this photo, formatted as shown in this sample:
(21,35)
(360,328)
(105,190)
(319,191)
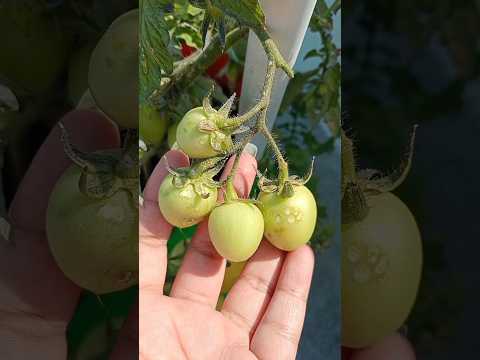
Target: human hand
(393,347)
(262,316)
(37,301)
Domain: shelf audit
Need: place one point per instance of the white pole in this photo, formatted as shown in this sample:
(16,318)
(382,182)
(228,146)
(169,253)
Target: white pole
(287,23)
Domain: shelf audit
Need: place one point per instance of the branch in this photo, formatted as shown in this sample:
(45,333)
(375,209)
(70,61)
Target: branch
(187,70)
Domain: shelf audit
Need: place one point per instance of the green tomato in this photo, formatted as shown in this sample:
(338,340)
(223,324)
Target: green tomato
(236,230)
(232,273)
(93,241)
(195,143)
(184,206)
(289,221)
(78,73)
(152,125)
(113,71)
(34,47)
(381,270)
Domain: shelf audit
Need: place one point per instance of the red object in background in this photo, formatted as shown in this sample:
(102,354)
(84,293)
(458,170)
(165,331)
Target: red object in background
(218,66)
(346,353)
(218,71)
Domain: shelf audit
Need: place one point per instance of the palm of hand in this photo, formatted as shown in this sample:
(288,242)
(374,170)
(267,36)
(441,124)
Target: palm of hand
(263,314)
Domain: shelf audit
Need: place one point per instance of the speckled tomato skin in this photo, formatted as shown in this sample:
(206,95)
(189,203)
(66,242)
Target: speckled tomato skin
(289,221)
(381,271)
(183,207)
(236,230)
(94,242)
(193,142)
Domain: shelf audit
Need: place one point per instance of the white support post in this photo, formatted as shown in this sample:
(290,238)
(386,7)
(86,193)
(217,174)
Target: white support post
(287,23)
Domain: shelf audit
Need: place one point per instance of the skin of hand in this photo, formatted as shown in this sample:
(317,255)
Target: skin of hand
(393,347)
(37,301)
(263,315)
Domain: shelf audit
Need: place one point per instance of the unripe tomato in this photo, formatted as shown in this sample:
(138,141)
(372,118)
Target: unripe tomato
(236,230)
(381,270)
(152,125)
(183,206)
(34,47)
(289,221)
(78,73)
(94,242)
(113,71)
(232,273)
(195,143)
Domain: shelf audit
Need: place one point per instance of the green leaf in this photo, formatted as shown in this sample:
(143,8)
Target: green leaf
(246,12)
(154,40)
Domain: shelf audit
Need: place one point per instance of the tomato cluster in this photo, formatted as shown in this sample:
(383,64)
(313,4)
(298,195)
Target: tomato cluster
(236,227)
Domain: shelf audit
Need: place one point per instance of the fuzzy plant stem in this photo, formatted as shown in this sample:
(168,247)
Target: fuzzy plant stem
(274,59)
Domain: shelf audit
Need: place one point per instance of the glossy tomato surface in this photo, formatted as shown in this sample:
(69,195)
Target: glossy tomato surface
(236,230)
(113,71)
(94,242)
(152,125)
(381,270)
(195,143)
(183,206)
(289,221)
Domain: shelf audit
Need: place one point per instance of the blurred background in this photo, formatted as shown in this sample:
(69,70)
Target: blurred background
(418,62)
(46,47)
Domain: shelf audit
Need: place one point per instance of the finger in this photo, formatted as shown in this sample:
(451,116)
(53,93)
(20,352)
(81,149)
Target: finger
(154,229)
(282,323)
(200,277)
(256,283)
(89,131)
(393,347)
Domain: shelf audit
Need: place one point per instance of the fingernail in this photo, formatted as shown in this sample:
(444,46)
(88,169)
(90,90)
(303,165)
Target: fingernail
(251,149)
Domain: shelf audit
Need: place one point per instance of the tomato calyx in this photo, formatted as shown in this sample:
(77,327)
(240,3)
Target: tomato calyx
(200,178)
(287,189)
(358,185)
(216,125)
(105,173)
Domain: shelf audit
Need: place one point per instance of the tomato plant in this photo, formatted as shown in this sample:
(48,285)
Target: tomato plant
(232,273)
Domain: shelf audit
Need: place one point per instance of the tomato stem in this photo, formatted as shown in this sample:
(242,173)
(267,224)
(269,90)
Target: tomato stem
(349,172)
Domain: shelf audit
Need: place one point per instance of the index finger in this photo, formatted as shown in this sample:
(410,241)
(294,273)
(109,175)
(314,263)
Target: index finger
(154,230)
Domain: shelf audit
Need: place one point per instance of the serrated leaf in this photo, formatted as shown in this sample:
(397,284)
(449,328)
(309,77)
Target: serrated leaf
(154,40)
(246,12)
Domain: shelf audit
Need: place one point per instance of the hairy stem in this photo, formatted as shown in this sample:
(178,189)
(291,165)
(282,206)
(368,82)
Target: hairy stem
(349,173)
(261,124)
